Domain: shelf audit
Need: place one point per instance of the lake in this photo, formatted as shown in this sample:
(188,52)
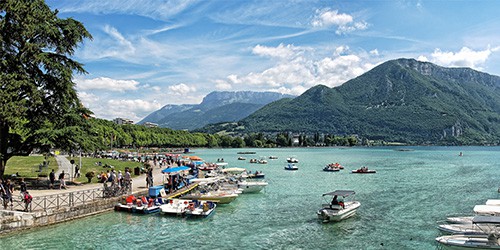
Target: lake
(400,204)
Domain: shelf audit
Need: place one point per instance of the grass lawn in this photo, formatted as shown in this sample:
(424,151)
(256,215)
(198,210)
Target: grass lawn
(89,164)
(27,166)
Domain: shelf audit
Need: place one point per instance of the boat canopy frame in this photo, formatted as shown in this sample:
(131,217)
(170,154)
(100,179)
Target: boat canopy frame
(343,193)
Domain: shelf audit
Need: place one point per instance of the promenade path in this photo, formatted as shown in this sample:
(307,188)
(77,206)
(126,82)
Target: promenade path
(138,183)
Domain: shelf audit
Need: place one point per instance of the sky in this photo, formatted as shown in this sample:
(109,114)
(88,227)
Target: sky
(145,54)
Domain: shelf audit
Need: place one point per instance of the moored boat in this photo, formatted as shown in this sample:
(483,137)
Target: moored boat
(200,209)
(292,160)
(483,234)
(142,205)
(332,168)
(174,207)
(364,170)
(338,210)
(251,186)
(291,166)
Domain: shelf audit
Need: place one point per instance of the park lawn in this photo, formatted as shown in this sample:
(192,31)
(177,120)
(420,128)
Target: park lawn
(28,166)
(89,165)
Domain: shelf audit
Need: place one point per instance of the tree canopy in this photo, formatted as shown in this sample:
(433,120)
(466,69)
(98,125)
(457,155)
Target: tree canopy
(39,104)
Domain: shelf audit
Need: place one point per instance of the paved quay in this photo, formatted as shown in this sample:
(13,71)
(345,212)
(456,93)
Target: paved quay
(138,183)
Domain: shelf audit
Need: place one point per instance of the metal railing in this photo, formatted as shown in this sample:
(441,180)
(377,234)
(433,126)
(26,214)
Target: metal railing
(56,201)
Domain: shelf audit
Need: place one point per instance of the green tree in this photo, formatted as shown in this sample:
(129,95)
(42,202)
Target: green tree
(37,95)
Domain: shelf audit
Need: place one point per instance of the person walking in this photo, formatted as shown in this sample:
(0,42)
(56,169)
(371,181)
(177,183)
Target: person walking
(62,183)
(52,179)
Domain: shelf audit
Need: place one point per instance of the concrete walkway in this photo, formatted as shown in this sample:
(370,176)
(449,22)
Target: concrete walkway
(138,183)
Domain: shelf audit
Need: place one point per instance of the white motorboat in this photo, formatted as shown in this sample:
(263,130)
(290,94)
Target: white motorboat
(209,190)
(180,207)
(486,236)
(468,242)
(292,160)
(174,207)
(493,202)
(488,210)
(251,186)
(469,229)
(215,196)
(291,166)
(200,209)
(338,210)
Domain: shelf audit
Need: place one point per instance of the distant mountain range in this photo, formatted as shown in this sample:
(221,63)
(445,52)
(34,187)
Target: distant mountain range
(400,100)
(216,107)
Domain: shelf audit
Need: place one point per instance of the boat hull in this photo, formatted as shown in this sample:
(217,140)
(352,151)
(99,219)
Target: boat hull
(327,214)
(364,172)
(466,242)
(137,210)
(251,187)
(225,199)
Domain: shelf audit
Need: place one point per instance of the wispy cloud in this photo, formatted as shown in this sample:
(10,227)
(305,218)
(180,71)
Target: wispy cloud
(105,83)
(159,10)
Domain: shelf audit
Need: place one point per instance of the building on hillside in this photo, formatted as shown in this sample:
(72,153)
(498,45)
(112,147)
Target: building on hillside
(150,125)
(123,121)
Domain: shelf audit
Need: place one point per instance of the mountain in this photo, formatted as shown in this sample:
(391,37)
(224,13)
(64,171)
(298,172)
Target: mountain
(400,100)
(165,111)
(218,106)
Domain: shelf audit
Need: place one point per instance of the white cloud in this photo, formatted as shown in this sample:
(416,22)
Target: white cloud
(181,89)
(328,17)
(281,51)
(303,71)
(374,52)
(106,84)
(466,57)
(422,58)
(222,85)
(130,109)
(134,105)
(344,22)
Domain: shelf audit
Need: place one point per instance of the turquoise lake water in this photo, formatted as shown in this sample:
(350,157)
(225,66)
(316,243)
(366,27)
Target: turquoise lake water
(400,204)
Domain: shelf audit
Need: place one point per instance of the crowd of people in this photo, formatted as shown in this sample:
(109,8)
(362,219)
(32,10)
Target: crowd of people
(7,192)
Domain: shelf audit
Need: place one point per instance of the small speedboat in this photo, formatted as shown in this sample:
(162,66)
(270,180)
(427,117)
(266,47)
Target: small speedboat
(464,241)
(330,168)
(292,160)
(251,186)
(174,207)
(256,175)
(142,205)
(200,208)
(241,158)
(338,210)
(291,166)
(364,170)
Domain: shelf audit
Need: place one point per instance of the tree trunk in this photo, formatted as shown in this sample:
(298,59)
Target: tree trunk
(4,145)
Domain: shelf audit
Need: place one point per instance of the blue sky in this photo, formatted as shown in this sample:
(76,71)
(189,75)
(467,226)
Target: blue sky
(148,53)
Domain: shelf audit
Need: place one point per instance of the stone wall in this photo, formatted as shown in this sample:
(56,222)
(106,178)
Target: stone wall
(15,220)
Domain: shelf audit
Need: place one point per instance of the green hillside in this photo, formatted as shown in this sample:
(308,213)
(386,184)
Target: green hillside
(400,100)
